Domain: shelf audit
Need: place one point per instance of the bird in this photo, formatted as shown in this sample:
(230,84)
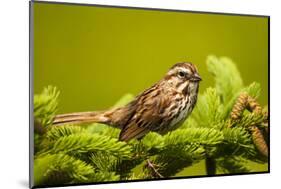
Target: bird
(161,108)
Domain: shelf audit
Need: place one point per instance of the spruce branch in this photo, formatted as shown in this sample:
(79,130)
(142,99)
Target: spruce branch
(182,148)
(60,168)
(220,131)
(153,169)
(172,160)
(84,143)
(253,90)
(186,136)
(236,136)
(104,161)
(167,165)
(152,143)
(106,166)
(45,106)
(232,164)
(54,133)
(209,110)
(228,81)
(249,121)
(237,142)
(104,177)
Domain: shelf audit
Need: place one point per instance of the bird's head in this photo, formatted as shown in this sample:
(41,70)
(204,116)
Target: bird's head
(184,77)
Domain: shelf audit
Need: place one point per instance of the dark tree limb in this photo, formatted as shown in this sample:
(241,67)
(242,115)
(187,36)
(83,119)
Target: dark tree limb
(210,166)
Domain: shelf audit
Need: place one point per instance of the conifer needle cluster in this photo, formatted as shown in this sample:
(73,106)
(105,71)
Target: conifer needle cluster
(223,130)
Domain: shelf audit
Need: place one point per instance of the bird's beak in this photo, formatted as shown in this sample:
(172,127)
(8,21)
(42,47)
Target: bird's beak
(196,77)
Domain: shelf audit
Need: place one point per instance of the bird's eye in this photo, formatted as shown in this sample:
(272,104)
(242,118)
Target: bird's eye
(181,74)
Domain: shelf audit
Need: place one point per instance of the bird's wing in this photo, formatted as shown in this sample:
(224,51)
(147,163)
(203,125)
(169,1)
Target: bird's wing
(148,114)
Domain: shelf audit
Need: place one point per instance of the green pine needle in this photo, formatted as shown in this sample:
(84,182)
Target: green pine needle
(209,110)
(84,143)
(203,136)
(55,133)
(67,167)
(46,105)
(227,77)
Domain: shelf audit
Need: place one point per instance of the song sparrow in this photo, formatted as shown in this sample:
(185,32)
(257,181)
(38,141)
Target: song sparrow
(161,108)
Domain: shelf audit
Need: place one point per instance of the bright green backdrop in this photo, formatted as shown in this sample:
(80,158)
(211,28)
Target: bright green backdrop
(94,55)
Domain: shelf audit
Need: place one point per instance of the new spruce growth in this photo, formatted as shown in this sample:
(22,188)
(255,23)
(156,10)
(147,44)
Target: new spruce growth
(223,130)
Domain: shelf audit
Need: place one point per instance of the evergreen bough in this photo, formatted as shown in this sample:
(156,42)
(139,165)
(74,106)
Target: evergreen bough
(92,153)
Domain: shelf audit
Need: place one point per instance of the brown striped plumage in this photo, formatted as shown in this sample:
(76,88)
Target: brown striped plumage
(161,108)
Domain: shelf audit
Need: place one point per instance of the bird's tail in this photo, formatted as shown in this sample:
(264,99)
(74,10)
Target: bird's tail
(80,117)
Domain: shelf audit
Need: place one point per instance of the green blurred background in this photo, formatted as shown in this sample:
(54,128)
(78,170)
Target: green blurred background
(94,55)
